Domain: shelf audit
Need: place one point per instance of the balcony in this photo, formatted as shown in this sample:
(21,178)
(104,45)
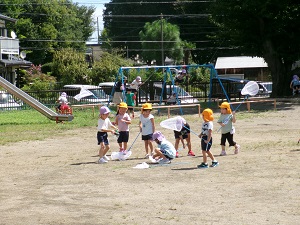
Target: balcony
(9,46)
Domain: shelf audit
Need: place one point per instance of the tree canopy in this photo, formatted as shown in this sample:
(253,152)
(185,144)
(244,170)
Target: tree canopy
(269,29)
(45,26)
(153,44)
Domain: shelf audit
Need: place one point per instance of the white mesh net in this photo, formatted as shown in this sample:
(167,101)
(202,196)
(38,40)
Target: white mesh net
(251,88)
(175,123)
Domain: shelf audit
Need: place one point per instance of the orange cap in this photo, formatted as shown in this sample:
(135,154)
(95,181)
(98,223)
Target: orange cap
(207,115)
(225,105)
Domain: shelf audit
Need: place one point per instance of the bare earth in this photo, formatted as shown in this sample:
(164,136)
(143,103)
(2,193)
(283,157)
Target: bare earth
(57,181)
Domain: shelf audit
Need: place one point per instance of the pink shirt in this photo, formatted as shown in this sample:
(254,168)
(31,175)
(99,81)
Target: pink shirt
(121,125)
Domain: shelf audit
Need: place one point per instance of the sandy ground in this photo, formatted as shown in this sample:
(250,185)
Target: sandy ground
(57,181)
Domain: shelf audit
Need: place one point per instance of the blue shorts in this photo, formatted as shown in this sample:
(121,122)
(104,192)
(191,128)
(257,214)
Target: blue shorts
(147,137)
(204,146)
(123,137)
(102,137)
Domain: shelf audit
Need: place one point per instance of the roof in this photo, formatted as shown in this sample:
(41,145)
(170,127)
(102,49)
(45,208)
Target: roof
(8,63)
(240,62)
(6,18)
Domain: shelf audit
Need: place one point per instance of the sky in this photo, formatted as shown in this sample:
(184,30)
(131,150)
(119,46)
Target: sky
(99,5)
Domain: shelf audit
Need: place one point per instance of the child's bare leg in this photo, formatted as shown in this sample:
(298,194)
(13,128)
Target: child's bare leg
(211,156)
(101,150)
(188,140)
(158,153)
(204,156)
(146,146)
(176,143)
(107,147)
(151,147)
(125,145)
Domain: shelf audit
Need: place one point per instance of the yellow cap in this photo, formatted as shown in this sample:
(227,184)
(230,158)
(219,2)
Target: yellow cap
(123,105)
(225,105)
(147,106)
(207,115)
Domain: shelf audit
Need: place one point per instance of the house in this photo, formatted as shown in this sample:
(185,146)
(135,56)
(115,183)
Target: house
(10,59)
(243,67)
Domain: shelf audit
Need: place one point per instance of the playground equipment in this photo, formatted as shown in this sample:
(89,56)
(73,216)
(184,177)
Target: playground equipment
(44,110)
(168,73)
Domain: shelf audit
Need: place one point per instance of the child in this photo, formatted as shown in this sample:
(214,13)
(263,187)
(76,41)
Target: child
(135,84)
(130,97)
(147,127)
(295,84)
(185,133)
(122,121)
(62,101)
(206,139)
(165,151)
(103,127)
(226,119)
(172,100)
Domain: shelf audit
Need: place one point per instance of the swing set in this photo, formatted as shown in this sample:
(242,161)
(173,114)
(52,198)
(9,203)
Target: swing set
(167,74)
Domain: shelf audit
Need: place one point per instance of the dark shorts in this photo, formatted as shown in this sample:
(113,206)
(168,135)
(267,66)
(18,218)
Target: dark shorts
(147,137)
(229,137)
(178,80)
(166,154)
(123,137)
(102,137)
(130,109)
(204,146)
(184,132)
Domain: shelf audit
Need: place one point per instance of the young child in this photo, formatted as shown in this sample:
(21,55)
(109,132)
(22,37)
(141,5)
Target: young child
(62,101)
(184,134)
(104,126)
(135,85)
(226,119)
(130,97)
(165,151)
(122,121)
(295,84)
(147,127)
(206,139)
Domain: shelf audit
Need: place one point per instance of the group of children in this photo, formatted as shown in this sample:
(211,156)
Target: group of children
(165,151)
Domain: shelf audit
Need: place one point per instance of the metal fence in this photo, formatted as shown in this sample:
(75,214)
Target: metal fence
(152,91)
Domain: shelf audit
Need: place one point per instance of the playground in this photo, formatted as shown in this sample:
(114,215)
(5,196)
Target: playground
(58,180)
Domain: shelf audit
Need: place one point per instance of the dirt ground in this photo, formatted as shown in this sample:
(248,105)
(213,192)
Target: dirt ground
(57,181)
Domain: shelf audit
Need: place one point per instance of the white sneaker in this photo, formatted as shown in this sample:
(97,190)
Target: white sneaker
(223,153)
(102,161)
(237,149)
(105,158)
(151,159)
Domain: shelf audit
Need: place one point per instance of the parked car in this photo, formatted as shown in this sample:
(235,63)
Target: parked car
(96,95)
(7,102)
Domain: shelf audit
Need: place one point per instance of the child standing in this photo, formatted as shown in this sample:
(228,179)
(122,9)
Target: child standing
(206,139)
(122,121)
(147,127)
(103,127)
(226,119)
(130,97)
(165,151)
(185,133)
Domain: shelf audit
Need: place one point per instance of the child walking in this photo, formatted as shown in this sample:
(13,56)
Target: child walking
(147,127)
(184,134)
(206,139)
(103,127)
(226,119)
(164,152)
(122,121)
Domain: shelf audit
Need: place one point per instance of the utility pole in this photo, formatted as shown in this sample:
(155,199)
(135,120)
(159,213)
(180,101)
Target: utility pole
(162,40)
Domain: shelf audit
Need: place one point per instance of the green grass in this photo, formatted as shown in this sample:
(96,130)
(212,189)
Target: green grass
(26,125)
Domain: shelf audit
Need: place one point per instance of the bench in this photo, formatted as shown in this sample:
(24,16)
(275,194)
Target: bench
(248,102)
(174,106)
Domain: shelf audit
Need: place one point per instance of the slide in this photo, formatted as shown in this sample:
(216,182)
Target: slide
(12,89)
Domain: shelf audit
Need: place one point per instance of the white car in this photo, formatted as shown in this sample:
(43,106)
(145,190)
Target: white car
(7,102)
(85,94)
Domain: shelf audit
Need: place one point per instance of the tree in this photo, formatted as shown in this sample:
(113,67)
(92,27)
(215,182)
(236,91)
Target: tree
(69,67)
(152,39)
(44,26)
(269,29)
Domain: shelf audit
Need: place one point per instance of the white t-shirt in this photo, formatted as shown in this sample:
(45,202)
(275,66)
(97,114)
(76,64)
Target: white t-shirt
(62,100)
(147,127)
(135,84)
(103,124)
(206,126)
